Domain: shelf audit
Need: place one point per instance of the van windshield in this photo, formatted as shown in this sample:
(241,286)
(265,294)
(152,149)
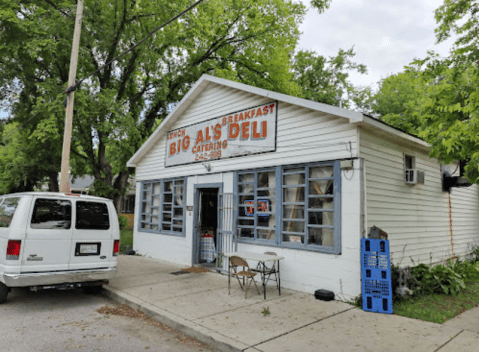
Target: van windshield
(7,210)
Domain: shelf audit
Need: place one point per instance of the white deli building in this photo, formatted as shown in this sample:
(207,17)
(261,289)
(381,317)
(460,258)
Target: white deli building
(262,171)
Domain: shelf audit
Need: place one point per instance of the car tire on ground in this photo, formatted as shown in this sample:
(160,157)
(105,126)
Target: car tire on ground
(3,293)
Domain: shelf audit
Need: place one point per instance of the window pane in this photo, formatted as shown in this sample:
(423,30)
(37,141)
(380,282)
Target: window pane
(249,233)
(321,237)
(166,227)
(321,203)
(154,227)
(267,234)
(156,201)
(179,190)
(178,200)
(179,183)
(293,195)
(156,188)
(248,189)
(246,178)
(178,222)
(321,172)
(168,198)
(267,193)
(178,229)
(166,207)
(266,179)
(167,217)
(51,214)
(155,211)
(321,218)
(92,216)
(293,226)
(246,200)
(246,222)
(293,238)
(145,226)
(155,219)
(267,220)
(7,210)
(168,186)
(178,213)
(319,188)
(296,179)
(293,211)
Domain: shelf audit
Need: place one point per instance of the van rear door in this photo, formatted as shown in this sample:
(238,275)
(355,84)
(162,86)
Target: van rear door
(92,240)
(48,235)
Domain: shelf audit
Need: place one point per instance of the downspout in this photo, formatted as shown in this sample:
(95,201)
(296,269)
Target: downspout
(450,224)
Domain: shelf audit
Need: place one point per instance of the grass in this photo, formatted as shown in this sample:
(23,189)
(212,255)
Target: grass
(126,240)
(438,308)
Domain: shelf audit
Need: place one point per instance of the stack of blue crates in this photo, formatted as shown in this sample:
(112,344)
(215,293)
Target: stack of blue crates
(376,276)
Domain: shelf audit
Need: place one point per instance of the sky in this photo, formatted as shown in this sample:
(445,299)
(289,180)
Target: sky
(386,34)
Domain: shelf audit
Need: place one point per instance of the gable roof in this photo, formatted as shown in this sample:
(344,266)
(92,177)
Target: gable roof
(205,80)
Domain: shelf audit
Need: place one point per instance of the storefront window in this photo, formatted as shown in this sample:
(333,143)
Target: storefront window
(257,205)
(309,199)
(162,206)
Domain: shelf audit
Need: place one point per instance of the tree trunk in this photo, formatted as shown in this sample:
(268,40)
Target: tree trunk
(53,182)
(121,184)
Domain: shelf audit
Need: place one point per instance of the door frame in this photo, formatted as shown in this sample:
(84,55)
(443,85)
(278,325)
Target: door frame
(195,255)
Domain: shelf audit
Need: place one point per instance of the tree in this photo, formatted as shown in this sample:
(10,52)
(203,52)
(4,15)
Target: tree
(326,79)
(451,110)
(397,100)
(118,107)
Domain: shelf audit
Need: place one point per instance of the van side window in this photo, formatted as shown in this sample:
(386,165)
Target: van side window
(51,214)
(7,210)
(92,216)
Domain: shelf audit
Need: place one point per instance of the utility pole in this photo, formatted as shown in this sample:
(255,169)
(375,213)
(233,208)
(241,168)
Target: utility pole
(67,136)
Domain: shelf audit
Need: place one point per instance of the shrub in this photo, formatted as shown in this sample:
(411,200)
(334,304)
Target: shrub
(437,279)
(123,221)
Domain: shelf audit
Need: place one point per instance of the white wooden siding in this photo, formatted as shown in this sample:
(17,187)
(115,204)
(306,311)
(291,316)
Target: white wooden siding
(417,218)
(303,135)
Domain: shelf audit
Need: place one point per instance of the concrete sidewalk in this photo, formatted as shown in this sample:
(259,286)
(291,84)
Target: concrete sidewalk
(198,305)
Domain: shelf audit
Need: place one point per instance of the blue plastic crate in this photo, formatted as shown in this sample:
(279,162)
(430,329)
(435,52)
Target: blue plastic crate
(376,276)
(375,254)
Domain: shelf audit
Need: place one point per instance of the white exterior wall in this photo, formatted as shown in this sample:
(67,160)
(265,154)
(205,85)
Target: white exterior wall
(416,217)
(303,136)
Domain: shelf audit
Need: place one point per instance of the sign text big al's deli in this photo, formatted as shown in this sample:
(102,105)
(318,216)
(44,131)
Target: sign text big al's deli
(244,132)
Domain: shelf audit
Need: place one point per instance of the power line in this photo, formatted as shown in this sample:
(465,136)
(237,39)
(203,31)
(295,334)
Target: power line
(16,129)
(73,87)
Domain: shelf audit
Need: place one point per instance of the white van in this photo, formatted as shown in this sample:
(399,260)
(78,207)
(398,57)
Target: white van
(56,240)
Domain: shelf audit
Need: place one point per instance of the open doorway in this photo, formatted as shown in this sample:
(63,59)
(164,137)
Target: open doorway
(207,226)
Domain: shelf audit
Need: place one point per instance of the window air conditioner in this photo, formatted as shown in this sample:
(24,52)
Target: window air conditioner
(414,176)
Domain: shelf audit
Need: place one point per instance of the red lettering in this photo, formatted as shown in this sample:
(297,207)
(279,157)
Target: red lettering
(234,131)
(252,113)
(178,149)
(172,149)
(258,112)
(264,129)
(217,132)
(186,142)
(265,110)
(271,107)
(225,144)
(256,134)
(230,119)
(247,115)
(224,121)
(241,118)
(199,137)
(245,130)
(236,118)
(207,137)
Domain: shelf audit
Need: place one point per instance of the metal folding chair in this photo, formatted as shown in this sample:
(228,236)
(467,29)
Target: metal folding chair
(247,274)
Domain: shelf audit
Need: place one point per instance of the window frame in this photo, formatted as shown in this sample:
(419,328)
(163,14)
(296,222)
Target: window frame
(280,172)
(161,196)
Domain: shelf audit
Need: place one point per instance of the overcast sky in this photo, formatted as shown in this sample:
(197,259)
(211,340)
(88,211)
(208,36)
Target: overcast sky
(387,35)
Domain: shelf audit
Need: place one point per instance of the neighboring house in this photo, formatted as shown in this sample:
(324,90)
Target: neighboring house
(271,172)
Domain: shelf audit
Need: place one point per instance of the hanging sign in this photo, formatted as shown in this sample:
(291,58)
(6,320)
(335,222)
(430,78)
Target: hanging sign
(245,132)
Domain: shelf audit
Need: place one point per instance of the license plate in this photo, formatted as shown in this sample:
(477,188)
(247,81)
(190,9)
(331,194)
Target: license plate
(88,249)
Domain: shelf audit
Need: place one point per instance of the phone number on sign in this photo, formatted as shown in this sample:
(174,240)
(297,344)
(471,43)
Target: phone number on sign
(208,156)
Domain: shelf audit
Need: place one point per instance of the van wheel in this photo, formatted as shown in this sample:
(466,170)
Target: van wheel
(3,293)
(92,290)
